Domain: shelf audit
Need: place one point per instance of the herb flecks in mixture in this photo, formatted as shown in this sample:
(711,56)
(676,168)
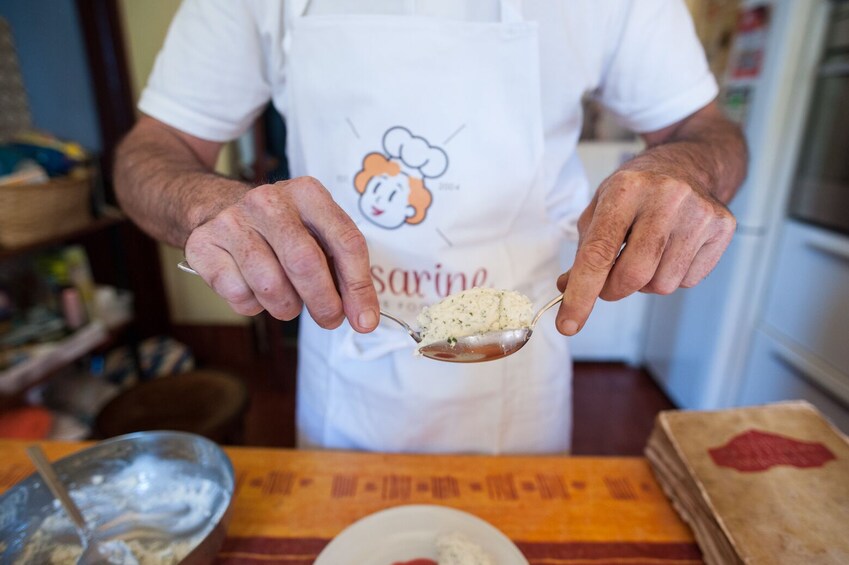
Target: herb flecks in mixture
(473,312)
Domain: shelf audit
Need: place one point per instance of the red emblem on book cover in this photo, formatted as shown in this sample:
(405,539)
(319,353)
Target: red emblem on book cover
(756,450)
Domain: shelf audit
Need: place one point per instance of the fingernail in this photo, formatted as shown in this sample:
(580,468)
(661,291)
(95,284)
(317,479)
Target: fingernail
(367,319)
(569,327)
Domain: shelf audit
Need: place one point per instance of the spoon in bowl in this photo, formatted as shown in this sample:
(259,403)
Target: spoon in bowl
(477,348)
(94,551)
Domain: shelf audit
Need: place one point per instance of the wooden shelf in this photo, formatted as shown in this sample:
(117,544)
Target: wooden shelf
(93,338)
(99,224)
(56,355)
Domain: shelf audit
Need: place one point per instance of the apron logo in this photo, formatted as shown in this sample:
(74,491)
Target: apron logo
(392,184)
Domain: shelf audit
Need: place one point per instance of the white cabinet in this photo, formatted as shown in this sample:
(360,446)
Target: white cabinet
(698,339)
(809,296)
(779,371)
(802,346)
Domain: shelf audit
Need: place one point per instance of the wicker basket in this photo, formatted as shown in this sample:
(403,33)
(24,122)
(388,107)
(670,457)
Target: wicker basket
(37,212)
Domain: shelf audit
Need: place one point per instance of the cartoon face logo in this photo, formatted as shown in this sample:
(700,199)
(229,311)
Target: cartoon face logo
(392,184)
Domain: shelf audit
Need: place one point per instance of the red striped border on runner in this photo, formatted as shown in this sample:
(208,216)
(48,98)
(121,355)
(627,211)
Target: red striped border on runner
(303,551)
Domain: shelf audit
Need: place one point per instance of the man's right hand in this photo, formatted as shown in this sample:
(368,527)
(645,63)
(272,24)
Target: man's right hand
(285,245)
(275,247)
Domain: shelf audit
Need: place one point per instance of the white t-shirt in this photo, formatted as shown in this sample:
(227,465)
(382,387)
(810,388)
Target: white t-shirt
(223,61)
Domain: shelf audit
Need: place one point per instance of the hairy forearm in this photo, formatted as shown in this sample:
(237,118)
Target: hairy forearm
(165,188)
(707,150)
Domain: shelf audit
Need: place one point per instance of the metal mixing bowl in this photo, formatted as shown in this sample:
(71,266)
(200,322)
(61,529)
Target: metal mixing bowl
(24,507)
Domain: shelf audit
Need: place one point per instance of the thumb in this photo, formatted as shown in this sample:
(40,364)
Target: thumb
(562,281)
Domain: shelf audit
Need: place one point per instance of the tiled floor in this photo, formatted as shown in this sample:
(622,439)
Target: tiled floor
(614,406)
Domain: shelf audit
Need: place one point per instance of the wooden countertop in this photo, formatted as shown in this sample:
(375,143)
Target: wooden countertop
(558,510)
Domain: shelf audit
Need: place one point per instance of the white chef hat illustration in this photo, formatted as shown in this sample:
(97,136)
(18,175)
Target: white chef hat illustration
(416,156)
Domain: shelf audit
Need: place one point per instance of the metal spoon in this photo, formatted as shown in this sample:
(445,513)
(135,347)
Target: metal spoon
(470,349)
(94,551)
(487,346)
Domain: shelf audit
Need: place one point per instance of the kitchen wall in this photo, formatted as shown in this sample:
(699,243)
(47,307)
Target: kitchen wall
(192,302)
(55,74)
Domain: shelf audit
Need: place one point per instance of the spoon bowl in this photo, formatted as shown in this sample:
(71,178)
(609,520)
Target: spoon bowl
(478,348)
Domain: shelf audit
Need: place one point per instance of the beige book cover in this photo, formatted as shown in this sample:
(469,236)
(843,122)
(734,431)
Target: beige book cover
(772,480)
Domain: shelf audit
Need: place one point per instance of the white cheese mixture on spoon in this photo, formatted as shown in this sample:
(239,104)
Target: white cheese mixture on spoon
(473,312)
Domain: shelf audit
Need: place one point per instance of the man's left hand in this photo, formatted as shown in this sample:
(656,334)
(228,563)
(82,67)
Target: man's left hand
(657,223)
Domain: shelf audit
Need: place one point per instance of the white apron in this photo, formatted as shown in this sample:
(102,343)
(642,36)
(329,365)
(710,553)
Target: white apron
(429,134)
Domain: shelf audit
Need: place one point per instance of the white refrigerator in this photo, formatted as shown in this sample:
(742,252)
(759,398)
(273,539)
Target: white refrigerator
(697,340)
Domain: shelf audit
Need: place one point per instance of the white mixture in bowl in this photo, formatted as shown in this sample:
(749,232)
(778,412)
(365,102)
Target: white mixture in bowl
(188,507)
(473,312)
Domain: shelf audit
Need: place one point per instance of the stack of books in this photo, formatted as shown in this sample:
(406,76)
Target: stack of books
(766,484)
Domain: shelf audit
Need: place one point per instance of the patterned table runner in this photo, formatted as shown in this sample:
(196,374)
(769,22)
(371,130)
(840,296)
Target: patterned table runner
(558,510)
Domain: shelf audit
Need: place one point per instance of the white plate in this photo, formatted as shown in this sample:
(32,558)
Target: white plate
(409,532)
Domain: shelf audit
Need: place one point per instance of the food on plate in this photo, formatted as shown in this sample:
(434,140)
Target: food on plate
(457,549)
(473,312)
(454,549)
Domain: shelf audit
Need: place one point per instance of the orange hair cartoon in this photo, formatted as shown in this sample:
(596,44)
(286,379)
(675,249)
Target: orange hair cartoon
(375,164)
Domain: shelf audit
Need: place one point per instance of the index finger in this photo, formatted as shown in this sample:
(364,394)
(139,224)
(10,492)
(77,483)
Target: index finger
(346,247)
(594,259)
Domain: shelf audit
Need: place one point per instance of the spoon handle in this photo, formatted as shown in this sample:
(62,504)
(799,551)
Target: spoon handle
(51,479)
(554,301)
(413,333)
(184,266)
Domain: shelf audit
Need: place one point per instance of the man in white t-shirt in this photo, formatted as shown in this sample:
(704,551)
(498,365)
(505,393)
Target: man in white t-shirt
(432,146)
